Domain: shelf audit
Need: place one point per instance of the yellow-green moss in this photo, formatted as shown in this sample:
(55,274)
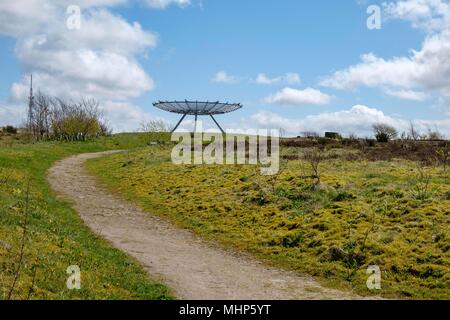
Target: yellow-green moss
(363,213)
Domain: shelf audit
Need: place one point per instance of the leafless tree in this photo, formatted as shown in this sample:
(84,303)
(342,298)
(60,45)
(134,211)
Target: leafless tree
(155,126)
(435,135)
(384,132)
(57,118)
(422,182)
(310,134)
(314,157)
(413,133)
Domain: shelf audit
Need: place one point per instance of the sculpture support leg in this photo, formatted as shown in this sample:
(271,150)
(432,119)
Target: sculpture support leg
(217,124)
(195,127)
(179,122)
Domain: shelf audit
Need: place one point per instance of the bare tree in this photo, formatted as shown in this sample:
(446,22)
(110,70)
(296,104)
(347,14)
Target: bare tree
(435,135)
(314,157)
(155,126)
(384,132)
(56,118)
(413,134)
(39,117)
(310,134)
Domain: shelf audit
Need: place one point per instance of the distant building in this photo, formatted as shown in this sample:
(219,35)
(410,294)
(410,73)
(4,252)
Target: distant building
(332,135)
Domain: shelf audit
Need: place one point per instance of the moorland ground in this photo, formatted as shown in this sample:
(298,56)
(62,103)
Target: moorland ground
(193,268)
(334,209)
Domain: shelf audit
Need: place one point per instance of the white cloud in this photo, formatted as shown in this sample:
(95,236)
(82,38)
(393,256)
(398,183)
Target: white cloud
(125,116)
(407,94)
(290,96)
(426,69)
(12,115)
(22,17)
(431,15)
(289,78)
(224,77)
(99,60)
(359,120)
(162,4)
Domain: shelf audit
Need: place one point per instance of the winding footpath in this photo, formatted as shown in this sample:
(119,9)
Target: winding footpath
(192,268)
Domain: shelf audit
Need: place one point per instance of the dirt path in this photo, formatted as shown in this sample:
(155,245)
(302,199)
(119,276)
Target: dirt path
(193,268)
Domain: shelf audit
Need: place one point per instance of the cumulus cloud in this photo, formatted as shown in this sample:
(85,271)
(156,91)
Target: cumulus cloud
(126,117)
(100,60)
(290,96)
(224,77)
(289,78)
(431,15)
(425,69)
(356,120)
(22,17)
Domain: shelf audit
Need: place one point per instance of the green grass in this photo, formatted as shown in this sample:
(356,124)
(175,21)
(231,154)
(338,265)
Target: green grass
(363,213)
(56,236)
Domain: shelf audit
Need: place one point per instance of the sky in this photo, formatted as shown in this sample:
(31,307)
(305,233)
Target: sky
(294,65)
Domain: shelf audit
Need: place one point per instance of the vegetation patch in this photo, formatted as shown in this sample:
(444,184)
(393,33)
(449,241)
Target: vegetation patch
(323,215)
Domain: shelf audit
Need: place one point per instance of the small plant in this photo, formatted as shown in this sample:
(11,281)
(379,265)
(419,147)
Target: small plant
(274,179)
(3,177)
(23,241)
(314,157)
(422,183)
(443,156)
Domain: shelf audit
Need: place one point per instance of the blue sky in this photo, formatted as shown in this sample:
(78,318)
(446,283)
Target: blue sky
(182,46)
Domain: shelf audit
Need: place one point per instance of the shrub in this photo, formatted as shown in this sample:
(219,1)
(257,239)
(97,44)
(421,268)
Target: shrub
(370,142)
(55,118)
(384,132)
(435,135)
(422,183)
(10,129)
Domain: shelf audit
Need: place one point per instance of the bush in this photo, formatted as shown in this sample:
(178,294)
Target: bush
(10,129)
(155,126)
(55,118)
(384,132)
